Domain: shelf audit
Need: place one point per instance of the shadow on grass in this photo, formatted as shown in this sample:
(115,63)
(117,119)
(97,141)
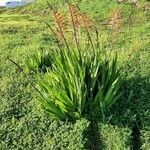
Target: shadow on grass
(129,112)
(93,137)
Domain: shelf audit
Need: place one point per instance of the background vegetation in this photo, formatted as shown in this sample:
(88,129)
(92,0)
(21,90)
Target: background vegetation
(24,125)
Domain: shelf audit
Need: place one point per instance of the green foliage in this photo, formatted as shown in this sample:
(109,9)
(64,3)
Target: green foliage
(37,131)
(24,126)
(114,138)
(68,136)
(145,139)
(75,85)
(39,61)
(80,80)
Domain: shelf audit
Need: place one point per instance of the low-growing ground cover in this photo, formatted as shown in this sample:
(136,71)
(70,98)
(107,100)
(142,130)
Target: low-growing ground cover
(23,125)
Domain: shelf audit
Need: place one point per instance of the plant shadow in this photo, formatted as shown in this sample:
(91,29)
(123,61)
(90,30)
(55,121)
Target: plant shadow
(93,136)
(128,111)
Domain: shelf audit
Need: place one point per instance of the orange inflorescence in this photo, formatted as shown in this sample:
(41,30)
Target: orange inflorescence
(115,21)
(61,24)
(79,20)
(60,20)
(86,21)
(74,15)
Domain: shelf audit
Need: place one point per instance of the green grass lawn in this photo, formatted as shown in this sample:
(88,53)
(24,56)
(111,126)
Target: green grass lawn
(25,126)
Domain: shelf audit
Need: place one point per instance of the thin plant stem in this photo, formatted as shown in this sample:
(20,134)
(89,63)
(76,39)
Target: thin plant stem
(75,32)
(21,70)
(88,34)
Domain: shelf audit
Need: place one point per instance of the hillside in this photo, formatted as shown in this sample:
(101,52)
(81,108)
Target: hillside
(25,126)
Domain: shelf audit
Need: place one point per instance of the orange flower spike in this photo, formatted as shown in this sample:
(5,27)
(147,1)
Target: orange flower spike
(74,15)
(115,21)
(87,21)
(60,22)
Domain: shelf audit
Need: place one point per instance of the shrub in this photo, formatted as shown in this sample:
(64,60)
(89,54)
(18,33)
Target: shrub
(145,139)
(114,138)
(37,131)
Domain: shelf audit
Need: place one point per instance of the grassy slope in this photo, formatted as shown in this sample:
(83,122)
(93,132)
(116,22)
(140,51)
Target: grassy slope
(24,126)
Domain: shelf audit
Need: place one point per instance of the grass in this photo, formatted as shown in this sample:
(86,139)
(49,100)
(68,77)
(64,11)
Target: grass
(23,125)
